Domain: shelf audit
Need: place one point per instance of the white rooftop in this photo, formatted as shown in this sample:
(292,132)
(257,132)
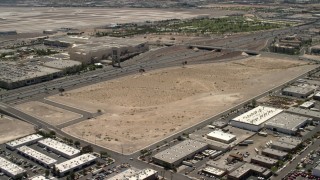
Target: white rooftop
(258,115)
(134,174)
(41,177)
(218,134)
(37,155)
(10,167)
(214,171)
(143,174)
(58,146)
(75,162)
(24,140)
(307,104)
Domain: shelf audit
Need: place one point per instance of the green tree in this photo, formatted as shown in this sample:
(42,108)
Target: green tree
(77,143)
(47,173)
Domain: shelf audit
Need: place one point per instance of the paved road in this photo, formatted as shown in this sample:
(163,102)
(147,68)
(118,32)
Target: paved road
(295,162)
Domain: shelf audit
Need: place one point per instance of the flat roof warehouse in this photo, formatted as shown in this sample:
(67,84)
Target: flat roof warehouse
(258,115)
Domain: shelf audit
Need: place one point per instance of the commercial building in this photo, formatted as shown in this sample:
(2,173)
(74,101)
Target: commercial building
(219,124)
(37,156)
(214,171)
(273,153)
(40,177)
(28,140)
(11,169)
(254,119)
(174,155)
(75,164)
(91,49)
(14,75)
(61,62)
(316,171)
(135,174)
(221,136)
(282,146)
(264,161)
(59,148)
(246,170)
(221,166)
(299,92)
(307,105)
(290,140)
(315,115)
(287,123)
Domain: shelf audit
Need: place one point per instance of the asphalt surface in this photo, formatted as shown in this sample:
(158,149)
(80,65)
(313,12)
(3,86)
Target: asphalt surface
(297,160)
(39,91)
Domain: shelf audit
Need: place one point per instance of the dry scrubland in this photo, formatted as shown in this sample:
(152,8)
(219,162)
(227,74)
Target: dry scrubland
(12,128)
(50,114)
(141,109)
(36,19)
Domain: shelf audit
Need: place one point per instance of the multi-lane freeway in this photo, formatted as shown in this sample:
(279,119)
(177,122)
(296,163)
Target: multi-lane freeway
(146,61)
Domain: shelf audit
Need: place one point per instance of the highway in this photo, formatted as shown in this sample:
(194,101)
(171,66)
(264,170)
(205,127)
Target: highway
(40,91)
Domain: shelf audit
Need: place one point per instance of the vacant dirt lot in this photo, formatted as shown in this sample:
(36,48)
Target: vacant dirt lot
(12,129)
(50,114)
(142,109)
(37,19)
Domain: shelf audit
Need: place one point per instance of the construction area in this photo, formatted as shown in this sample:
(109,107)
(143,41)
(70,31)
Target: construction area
(140,109)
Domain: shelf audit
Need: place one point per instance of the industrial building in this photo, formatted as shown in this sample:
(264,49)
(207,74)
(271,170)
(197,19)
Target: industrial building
(59,148)
(317,96)
(174,155)
(14,75)
(299,92)
(264,161)
(282,146)
(221,166)
(36,156)
(10,169)
(40,177)
(214,171)
(246,170)
(315,115)
(74,164)
(316,171)
(221,136)
(219,124)
(290,140)
(254,119)
(307,105)
(287,123)
(273,153)
(28,140)
(135,174)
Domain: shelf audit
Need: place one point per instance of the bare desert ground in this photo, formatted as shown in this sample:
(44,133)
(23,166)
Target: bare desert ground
(37,19)
(141,109)
(11,129)
(50,114)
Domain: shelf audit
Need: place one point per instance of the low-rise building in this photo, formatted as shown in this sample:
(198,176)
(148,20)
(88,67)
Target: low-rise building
(282,146)
(37,156)
(291,140)
(41,177)
(135,174)
(287,123)
(315,115)
(27,140)
(74,164)
(299,92)
(221,136)
(264,161)
(174,155)
(316,171)
(214,171)
(246,170)
(307,105)
(11,169)
(59,148)
(254,119)
(273,153)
